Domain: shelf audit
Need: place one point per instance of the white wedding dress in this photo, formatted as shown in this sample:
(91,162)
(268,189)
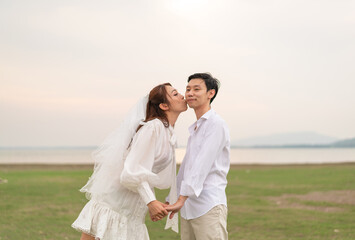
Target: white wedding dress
(120,213)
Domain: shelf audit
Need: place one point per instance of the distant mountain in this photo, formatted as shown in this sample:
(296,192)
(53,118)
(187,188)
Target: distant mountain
(46,147)
(344,143)
(286,139)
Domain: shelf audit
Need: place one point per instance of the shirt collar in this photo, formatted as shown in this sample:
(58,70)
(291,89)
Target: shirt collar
(205,116)
(208,114)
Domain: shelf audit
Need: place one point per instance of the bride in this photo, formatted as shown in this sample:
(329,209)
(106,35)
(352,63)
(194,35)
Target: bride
(132,161)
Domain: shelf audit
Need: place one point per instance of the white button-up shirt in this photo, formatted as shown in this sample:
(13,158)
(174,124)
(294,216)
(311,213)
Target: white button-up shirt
(203,173)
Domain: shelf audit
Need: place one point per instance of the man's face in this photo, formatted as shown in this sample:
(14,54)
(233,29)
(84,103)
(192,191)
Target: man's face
(196,94)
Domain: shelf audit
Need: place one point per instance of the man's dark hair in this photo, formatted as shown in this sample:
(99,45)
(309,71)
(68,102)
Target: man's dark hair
(211,82)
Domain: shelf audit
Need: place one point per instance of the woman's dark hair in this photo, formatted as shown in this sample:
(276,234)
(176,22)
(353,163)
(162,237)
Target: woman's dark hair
(211,82)
(157,96)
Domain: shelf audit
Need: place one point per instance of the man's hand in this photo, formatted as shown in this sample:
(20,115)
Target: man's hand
(157,210)
(176,206)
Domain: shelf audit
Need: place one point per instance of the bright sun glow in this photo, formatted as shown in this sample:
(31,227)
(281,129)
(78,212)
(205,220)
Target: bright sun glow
(186,7)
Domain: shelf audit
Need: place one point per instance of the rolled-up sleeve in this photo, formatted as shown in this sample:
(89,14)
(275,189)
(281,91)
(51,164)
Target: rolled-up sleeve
(137,171)
(197,170)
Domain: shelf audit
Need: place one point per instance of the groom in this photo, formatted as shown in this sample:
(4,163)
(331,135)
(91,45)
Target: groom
(202,178)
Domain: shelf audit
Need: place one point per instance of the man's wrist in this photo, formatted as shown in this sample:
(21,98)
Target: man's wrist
(182,198)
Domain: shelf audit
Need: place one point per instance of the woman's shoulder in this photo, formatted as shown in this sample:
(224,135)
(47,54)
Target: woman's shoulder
(155,124)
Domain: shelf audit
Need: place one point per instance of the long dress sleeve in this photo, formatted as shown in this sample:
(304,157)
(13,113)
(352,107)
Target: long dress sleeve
(137,173)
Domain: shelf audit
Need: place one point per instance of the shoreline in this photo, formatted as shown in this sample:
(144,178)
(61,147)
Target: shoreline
(66,166)
(238,157)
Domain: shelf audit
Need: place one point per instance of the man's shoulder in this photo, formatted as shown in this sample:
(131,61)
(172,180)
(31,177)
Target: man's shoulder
(216,119)
(215,123)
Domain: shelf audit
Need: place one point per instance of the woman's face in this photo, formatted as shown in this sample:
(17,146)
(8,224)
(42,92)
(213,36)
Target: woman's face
(176,100)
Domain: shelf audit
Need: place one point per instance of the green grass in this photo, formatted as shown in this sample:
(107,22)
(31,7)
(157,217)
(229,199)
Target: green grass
(42,202)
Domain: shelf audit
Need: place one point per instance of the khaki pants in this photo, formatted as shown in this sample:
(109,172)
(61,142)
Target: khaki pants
(210,226)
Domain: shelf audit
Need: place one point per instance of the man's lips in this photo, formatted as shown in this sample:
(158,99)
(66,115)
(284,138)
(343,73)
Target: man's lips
(189,100)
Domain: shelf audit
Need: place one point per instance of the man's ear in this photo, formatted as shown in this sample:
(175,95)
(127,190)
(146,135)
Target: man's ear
(164,106)
(211,93)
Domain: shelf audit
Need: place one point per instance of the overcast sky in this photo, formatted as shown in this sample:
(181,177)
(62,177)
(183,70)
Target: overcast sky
(70,70)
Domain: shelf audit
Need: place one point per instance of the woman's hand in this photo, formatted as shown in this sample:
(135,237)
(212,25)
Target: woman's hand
(176,206)
(157,210)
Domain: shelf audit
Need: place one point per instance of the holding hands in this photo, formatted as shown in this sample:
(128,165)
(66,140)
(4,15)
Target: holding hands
(176,206)
(157,210)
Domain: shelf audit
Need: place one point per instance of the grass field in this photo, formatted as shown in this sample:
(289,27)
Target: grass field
(265,202)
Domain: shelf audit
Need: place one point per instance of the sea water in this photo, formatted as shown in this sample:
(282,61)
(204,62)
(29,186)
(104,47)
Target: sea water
(238,156)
